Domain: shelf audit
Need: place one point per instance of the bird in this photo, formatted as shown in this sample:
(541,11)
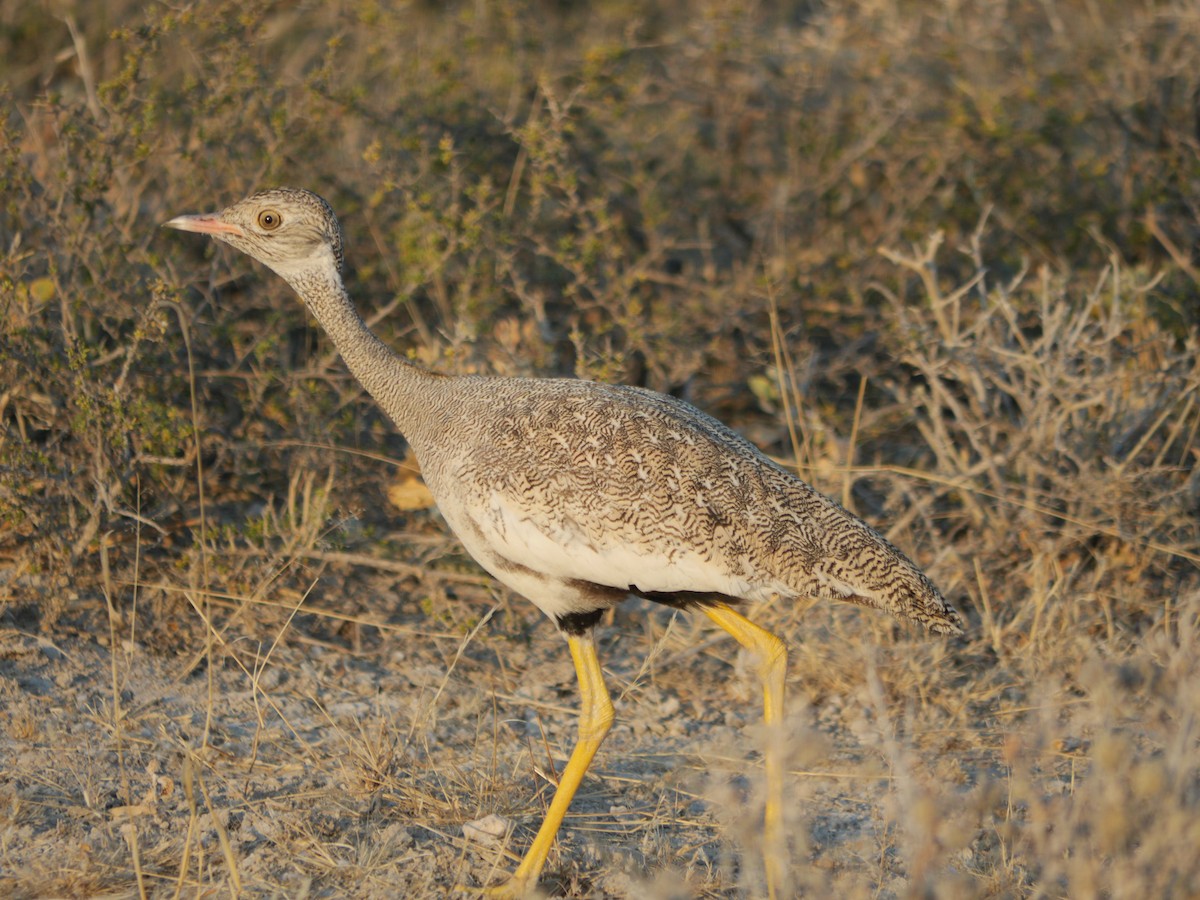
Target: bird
(577,494)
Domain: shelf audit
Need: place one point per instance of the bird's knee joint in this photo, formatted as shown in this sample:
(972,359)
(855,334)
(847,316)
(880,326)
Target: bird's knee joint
(605,716)
(596,731)
(595,725)
(772,654)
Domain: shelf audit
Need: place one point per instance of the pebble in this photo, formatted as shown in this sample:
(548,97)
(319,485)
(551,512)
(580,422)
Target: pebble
(488,830)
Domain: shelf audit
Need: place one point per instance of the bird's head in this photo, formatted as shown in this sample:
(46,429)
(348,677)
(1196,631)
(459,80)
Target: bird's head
(293,232)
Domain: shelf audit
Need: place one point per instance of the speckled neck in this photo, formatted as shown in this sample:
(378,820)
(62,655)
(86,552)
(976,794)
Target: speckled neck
(407,393)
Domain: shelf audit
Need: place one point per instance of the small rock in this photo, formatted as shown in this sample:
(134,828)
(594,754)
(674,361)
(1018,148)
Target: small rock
(488,830)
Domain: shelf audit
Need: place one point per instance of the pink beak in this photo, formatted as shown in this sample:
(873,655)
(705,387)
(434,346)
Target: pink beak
(207,223)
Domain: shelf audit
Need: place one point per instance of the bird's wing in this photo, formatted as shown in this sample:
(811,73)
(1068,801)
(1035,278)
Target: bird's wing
(561,548)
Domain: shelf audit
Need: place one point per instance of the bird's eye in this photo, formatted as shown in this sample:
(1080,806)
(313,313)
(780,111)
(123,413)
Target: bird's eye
(269,220)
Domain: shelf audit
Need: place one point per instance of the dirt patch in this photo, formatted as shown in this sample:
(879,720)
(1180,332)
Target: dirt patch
(307,769)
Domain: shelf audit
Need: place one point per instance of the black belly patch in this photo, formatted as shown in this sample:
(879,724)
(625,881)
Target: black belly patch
(685,599)
(578,623)
(602,597)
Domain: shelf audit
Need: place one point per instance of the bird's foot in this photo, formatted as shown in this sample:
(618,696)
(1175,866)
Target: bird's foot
(514,888)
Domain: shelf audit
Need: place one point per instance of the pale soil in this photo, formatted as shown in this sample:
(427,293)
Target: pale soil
(347,763)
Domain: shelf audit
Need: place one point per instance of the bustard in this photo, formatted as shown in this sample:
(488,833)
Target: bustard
(577,495)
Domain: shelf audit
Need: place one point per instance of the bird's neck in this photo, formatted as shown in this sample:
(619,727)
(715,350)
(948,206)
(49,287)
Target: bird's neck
(404,391)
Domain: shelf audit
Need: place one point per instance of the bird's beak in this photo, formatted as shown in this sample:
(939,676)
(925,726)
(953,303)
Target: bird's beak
(207,223)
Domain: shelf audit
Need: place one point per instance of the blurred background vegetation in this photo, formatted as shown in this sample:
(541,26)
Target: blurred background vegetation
(949,245)
(619,191)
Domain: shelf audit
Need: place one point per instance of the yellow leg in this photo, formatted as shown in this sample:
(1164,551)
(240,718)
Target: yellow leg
(770,654)
(595,719)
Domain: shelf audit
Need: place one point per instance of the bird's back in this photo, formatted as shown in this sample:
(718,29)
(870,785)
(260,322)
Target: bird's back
(583,483)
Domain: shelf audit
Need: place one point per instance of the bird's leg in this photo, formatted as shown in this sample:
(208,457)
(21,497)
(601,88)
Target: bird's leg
(770,655)
(595,719)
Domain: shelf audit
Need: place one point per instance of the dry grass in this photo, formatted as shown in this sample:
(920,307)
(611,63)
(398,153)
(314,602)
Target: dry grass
(939,257)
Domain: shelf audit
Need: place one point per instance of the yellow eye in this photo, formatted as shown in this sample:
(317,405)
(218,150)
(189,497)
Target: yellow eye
(269,220)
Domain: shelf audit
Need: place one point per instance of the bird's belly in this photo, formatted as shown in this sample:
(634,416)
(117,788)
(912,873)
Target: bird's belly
(553,561)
